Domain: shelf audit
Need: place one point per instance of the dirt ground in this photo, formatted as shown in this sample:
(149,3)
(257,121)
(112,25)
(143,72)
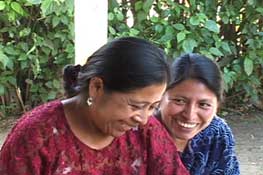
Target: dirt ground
(248,132)
(247,129)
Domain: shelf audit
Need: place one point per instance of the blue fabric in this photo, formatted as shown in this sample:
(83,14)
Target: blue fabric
(211,152)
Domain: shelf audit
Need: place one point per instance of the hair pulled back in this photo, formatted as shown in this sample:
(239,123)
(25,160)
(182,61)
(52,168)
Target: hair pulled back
(124,64)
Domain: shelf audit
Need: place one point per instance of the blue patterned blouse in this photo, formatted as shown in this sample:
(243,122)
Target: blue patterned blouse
(211,152)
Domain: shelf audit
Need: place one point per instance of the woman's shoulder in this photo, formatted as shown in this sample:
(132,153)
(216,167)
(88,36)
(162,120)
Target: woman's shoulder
(217,126)
(41,114)
(217,132)
(155,126)
(39,120)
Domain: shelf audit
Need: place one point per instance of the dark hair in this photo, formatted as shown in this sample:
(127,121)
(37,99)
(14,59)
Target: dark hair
(124,64)
(199,67)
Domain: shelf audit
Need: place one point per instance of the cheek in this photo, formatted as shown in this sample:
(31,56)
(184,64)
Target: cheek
(168,112)
(207,116)
(170,109)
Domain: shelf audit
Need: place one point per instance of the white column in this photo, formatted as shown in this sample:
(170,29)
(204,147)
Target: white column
(91,27)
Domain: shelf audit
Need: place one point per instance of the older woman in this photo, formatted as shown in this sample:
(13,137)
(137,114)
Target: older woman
(188,110)
(102,127)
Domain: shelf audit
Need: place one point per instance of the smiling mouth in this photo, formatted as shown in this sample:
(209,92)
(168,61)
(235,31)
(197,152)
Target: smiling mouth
(187,125)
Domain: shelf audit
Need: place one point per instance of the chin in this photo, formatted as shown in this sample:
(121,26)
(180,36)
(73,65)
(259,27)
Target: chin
(184,137)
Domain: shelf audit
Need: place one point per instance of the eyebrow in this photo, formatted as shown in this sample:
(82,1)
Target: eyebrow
(143,102)
(185,97)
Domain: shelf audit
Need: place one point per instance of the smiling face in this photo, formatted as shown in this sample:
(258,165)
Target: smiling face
(188,108)
(115,113)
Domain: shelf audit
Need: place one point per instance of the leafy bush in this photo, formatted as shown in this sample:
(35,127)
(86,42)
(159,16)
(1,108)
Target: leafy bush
(229,32)
(36,41)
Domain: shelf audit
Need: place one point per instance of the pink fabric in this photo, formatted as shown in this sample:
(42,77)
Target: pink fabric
(42,143)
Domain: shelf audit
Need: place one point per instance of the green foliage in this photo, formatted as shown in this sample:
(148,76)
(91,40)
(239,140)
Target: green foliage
(229,32)
(36,41)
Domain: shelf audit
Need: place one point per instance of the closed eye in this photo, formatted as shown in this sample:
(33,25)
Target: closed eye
(154,107)
(135,107)
(178,101)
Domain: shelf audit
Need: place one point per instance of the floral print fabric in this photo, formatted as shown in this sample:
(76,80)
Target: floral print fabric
(211,152)
(41,143)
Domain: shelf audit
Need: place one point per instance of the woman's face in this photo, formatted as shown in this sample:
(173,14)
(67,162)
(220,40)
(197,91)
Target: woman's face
(116,113)
(188,108)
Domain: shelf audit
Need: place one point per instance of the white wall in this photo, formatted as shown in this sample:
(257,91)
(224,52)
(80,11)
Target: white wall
(91,24)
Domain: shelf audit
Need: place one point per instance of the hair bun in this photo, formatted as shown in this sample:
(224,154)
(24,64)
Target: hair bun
(70,77)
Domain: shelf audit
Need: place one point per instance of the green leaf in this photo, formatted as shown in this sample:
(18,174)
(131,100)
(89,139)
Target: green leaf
(179,26)
(17,8)
(3,59)
(10,64)
(47,7)
(134,32)
(110,16)
(25,32)
(158,28)
(2,90)
(154,19)
(112,30)
(194,20)
(212,26)
(169,30)
(202,17)
(34,1)
(215,51)
(180,36)
(260,10)
(120,17)
(56,84)
(141,15)
(2,5)
(52,95)
(225,19)
(55,21)
(189,45)
(248,66)
(138,5)
(165,38)
(147,5)
(226,47)
(251,2)
(10,50)
(64,20)
(12,80)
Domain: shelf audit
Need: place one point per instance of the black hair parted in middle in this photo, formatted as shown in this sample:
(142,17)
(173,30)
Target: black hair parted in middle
(199,67)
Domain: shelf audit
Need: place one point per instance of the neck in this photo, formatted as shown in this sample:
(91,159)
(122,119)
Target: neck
(80,120)
(180,144)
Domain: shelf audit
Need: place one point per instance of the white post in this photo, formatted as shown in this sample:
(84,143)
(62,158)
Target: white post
(91,27)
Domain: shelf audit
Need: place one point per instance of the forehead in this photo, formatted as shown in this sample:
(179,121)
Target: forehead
(191,87)
(149,93)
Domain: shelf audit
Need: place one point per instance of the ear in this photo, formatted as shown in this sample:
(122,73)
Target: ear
(96,87)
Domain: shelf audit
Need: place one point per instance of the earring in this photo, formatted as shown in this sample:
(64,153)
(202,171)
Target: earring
(89,101)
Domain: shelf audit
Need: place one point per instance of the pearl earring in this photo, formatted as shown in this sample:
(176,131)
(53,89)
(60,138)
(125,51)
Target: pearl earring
(89,101)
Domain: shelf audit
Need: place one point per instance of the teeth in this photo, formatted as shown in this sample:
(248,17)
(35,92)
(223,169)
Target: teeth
(186,125)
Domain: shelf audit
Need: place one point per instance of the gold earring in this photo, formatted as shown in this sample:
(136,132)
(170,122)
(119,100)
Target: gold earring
(89,101)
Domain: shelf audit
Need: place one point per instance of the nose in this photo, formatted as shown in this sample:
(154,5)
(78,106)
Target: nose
(144,117)
(144,120)
(190,112)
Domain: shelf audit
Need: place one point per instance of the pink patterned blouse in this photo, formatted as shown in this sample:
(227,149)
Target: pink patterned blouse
(41,143)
